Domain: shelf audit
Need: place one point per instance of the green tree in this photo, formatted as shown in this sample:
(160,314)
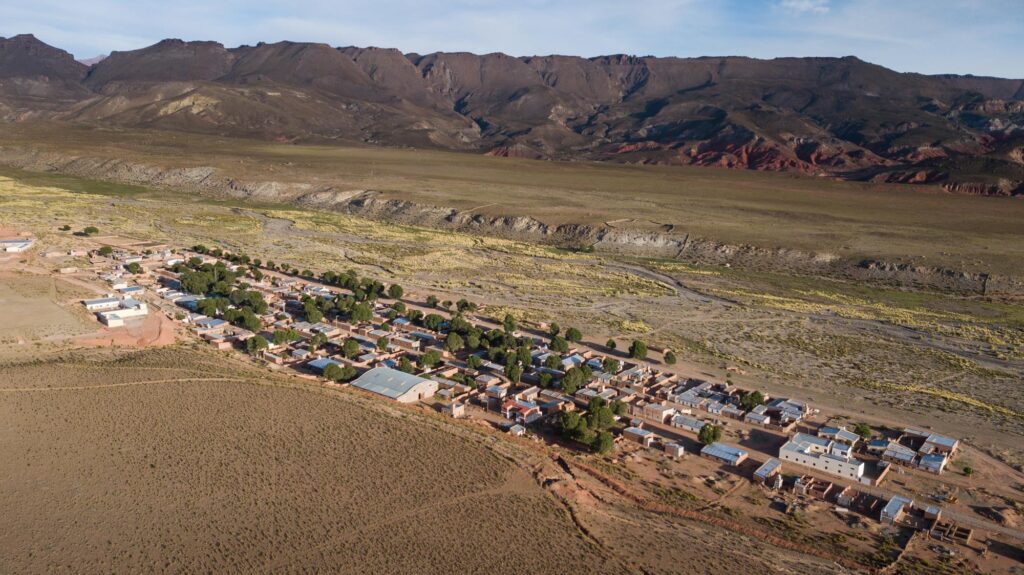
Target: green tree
(432,301)
(968,470)
(603,443)
(575,427)
(619,407)
(610,344)
(554,329)
(350,348)
(514,372)
(383,342)
(553,362)
(65,228)
(459,325)
(282,336)
(207,306)
(751,400)
(570,421)
(709,434)
(317,341)
(405,365)
(474,362)
(473,341)
(338,373)
(670,358)
(395,291)
(524,354)
(433,322)
(106,251)
(430,359)
(863,430)
(250,322)
(312,312)
(453,342)
(610,365)
(255,344)
(91,230)
(599,415)
(572,334)
(573,380)
(638,350)
(509,323)
(333,372)
(559,344)
(582,433)
(544,380)
(362,313)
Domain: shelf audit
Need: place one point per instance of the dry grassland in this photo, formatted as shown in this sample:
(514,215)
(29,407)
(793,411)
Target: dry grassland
(731,206)
(31,310)
(181,460)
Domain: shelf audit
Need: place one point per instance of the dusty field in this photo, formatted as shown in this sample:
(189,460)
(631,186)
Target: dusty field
(34,308)
(129,463)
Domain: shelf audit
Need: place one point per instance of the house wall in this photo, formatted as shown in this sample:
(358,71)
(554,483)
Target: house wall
(420,391)
(835,467)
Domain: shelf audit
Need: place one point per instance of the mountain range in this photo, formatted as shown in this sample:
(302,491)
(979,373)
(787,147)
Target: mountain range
(839,117)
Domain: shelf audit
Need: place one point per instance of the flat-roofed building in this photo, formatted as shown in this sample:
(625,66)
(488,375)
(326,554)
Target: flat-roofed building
(725,453)
(691,424)
(822,454)
(642,436)
(102,304)
(768,469)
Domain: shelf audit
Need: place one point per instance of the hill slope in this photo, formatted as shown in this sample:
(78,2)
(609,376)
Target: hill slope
(826,116)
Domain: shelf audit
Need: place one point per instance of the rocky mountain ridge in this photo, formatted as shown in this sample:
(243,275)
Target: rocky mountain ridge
(839,117)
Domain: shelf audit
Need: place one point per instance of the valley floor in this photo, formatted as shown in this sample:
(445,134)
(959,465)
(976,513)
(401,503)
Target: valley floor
(295,469)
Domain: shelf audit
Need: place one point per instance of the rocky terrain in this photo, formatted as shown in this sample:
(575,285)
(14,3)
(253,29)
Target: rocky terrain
(824,116)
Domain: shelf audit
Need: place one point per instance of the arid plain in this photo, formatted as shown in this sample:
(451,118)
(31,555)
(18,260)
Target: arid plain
(122,456)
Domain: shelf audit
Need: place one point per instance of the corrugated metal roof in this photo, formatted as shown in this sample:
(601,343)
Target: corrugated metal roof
(388,382)
(768,468)
(723,451)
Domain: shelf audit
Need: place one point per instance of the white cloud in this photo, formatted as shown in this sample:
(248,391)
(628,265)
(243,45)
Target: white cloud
(806,6)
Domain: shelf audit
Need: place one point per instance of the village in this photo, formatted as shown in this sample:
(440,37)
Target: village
(535,381)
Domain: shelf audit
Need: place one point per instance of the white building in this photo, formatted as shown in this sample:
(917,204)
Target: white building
(396,385)
(16,246)
(102,304)
(128,308)
(822,454)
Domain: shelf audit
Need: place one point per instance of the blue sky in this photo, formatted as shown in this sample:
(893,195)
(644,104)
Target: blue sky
(982,37)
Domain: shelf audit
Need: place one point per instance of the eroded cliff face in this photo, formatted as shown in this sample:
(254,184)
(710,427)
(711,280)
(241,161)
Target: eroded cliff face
(669,243)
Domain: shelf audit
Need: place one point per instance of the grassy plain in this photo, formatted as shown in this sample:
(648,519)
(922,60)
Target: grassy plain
(899,223)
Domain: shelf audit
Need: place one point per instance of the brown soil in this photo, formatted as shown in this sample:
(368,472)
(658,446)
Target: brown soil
(146,463)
